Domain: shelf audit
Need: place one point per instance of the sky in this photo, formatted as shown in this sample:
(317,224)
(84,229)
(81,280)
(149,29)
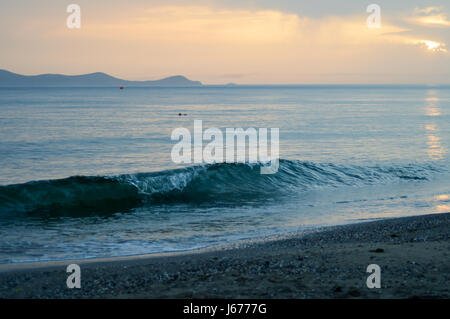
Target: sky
(233,41)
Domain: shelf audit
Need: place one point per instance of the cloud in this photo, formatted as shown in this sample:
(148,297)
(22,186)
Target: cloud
(201,24)
(430,16)
(214,44)
(428,10)
(431,45)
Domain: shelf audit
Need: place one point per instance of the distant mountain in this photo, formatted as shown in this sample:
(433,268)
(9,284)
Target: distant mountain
(9,79)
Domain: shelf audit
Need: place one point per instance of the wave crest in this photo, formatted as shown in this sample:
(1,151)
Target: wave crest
(213,183)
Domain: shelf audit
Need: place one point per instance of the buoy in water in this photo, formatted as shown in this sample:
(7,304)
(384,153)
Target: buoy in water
(121,87)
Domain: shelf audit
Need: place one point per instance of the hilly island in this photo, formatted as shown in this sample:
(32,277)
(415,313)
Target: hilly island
(98,79)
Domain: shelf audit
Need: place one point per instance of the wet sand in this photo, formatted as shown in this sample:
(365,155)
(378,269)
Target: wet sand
(412,252)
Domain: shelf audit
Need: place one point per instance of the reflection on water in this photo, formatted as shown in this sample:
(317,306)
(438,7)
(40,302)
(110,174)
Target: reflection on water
(443,208)
(434,150)
(442,205)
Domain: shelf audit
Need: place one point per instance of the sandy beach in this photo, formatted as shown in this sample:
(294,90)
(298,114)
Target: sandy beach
(412,252)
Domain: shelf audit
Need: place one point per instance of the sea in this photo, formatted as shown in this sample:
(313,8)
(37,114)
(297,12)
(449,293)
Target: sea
(88,172)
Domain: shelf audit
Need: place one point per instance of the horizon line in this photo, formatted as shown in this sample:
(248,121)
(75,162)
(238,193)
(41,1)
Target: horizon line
(229,84)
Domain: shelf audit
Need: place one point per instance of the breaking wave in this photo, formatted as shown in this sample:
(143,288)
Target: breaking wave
(213,183)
